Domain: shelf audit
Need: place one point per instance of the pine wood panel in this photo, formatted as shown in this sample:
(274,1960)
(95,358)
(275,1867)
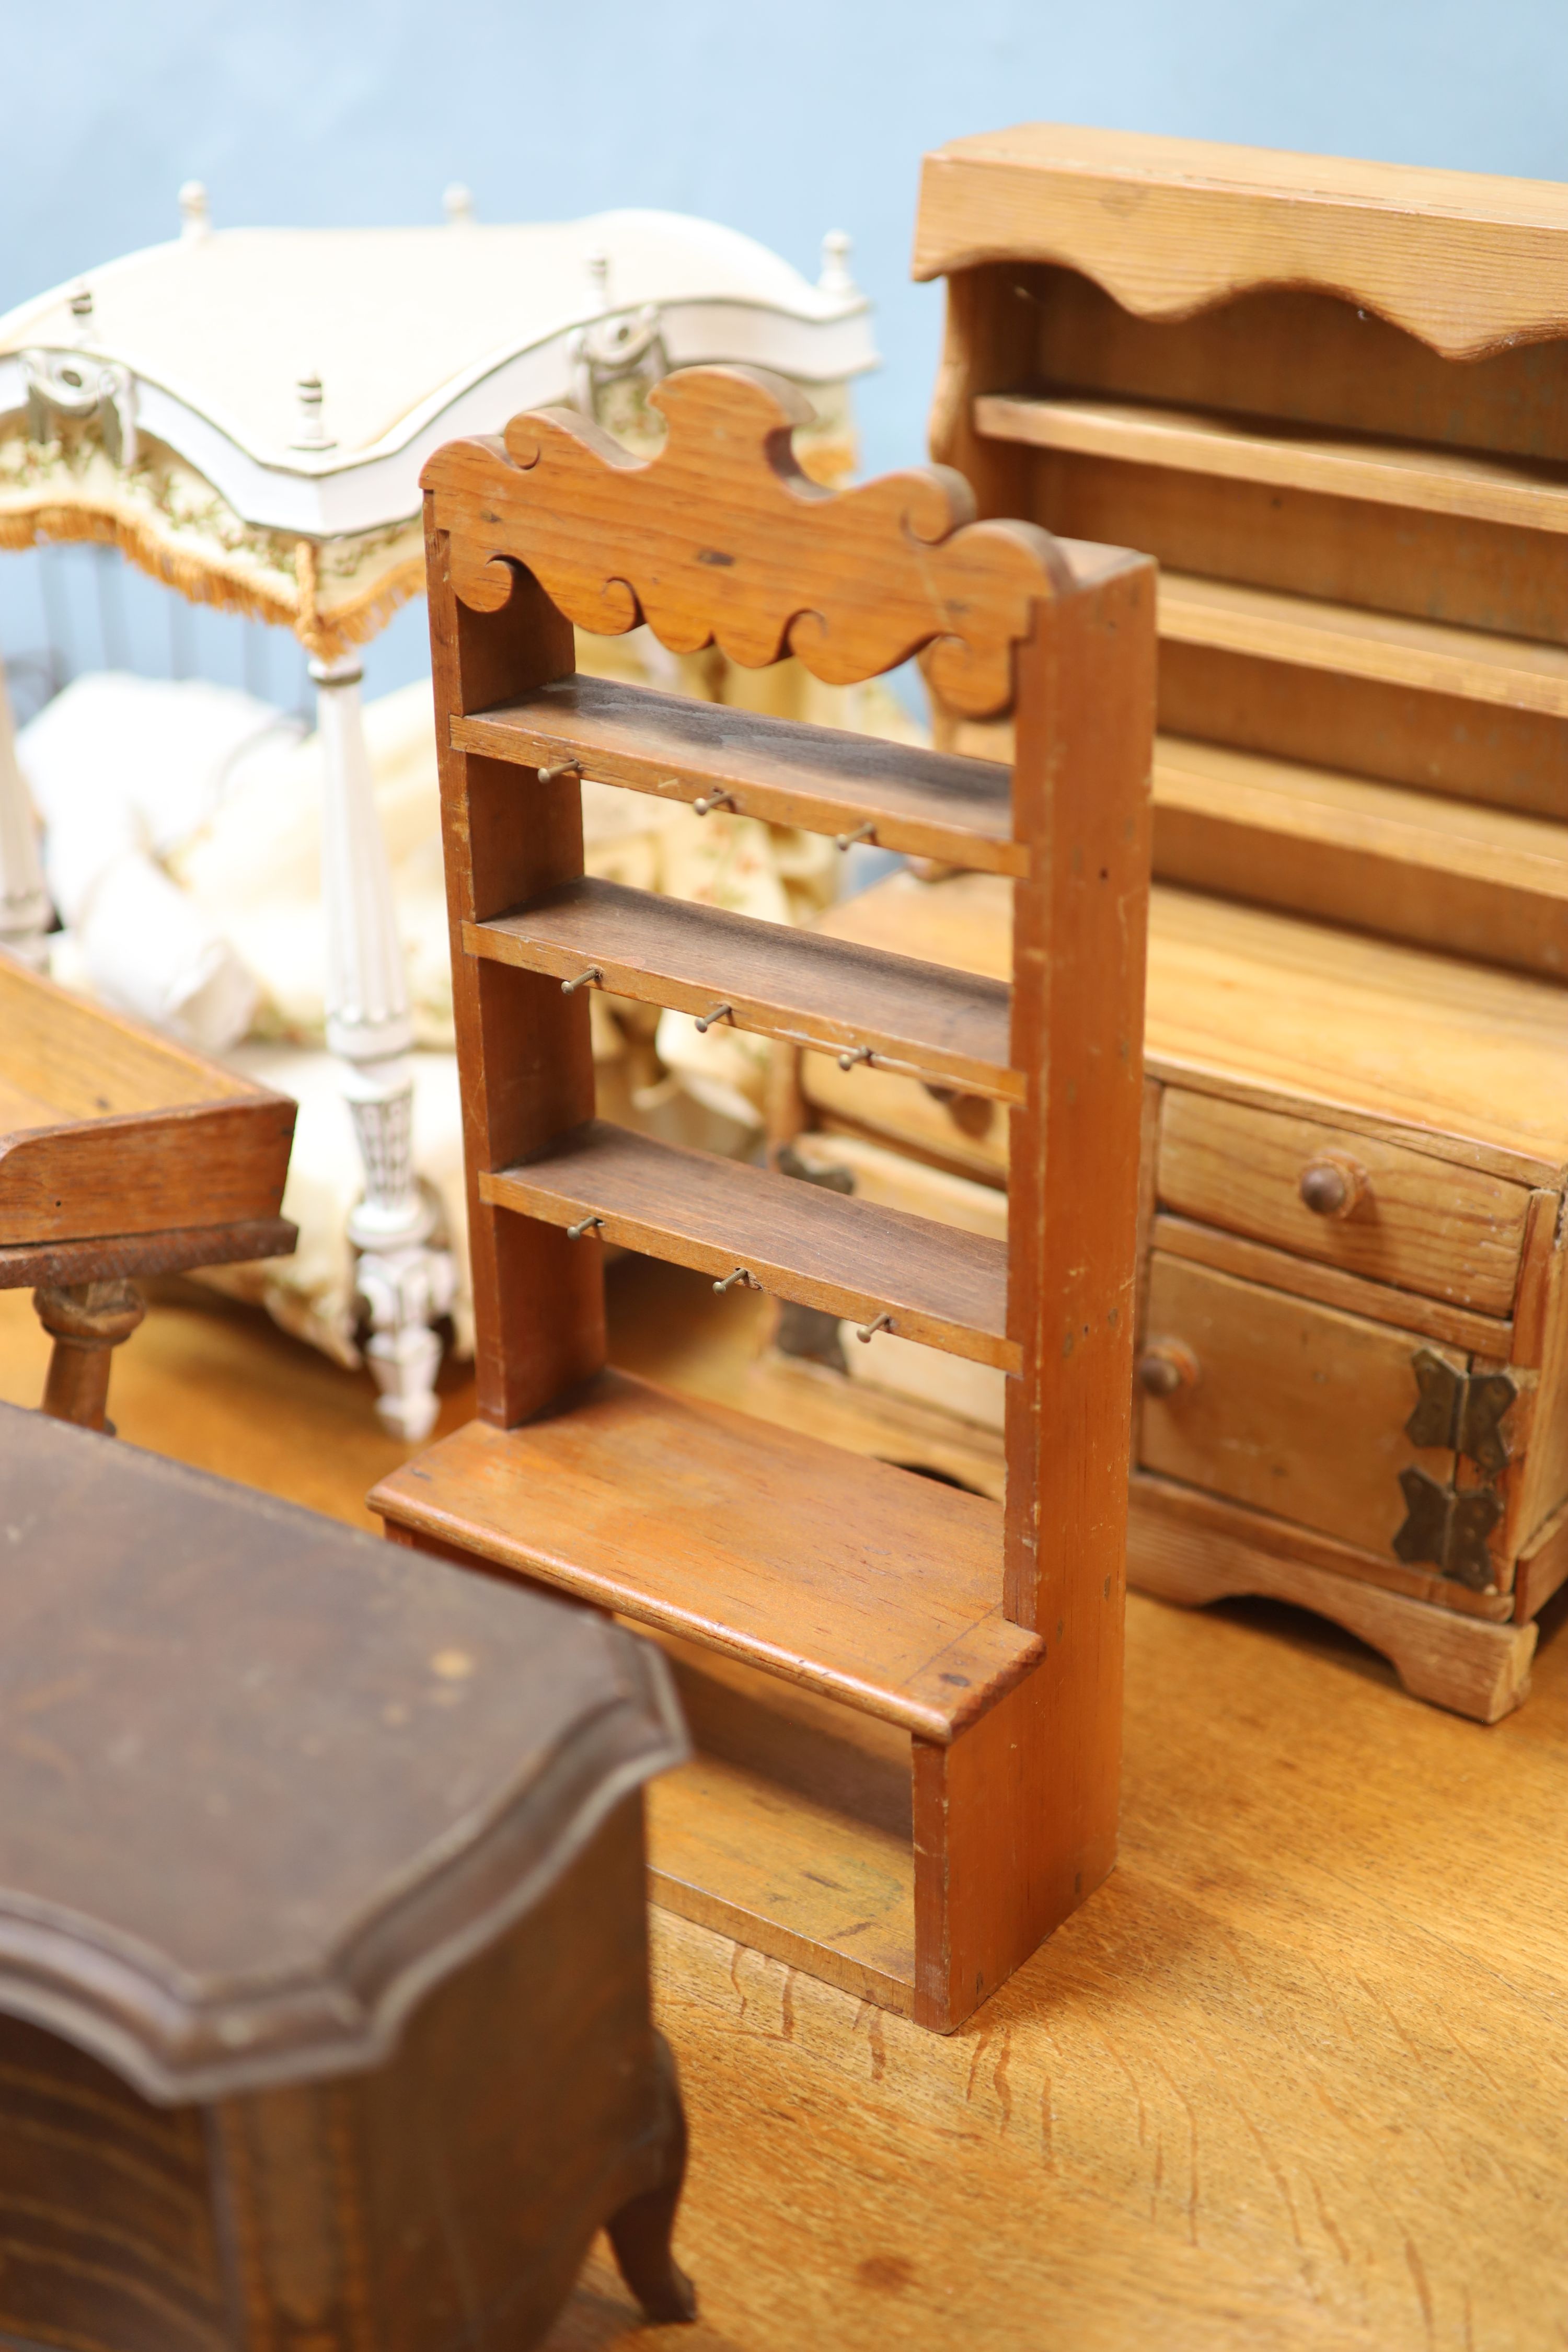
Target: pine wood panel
(1251,1002)
(928,804)
(1288,351)
(1479,882)
(1305,1277)
(1479,1670)
(1298,1409)
(1469,262)
(1502,758)
(943,1287)
(800,986)
(1347,642)
(1519,493)
(854,1580)
(1337,548)
(1421,1224)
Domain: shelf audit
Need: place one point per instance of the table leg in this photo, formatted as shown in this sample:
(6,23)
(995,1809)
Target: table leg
(87,1322)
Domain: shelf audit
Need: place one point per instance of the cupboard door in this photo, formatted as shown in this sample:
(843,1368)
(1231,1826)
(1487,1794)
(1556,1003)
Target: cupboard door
(1291,1407)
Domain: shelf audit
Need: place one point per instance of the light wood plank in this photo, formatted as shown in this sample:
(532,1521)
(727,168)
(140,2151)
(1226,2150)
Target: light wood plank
(946,1288)
(1474,881)
(1298,1409)
(858,1581)
(928,804)
(1429,657)
(1429,479)
(1465,1064)
(1419,1224)
(800,986)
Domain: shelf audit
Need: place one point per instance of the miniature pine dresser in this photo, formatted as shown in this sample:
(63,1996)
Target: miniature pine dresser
(907,1701)
(324,2015)
(1332,399)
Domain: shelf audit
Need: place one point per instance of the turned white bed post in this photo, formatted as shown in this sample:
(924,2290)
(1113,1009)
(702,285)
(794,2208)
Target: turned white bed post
(405,1283)
(24,900)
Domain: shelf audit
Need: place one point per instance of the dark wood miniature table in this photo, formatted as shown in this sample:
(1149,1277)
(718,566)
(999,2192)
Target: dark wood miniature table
(121,1154)
(324,2017)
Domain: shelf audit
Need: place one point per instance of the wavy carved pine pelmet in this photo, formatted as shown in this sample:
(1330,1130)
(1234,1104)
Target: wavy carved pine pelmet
(721,538)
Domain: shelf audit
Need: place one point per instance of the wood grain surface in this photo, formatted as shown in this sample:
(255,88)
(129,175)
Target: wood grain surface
(719,539)
(1514,492)
(1479,882)
(1242,1428)
(854,1580)
(942,1287)
(798,985)
(927,803)
(119,1132)
(1468,1064)
(1470,263)
(1421,1224)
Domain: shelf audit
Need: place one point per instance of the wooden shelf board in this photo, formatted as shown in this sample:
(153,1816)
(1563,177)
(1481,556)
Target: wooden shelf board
(1429,657)
(732,1850)
(920,1018)
(1466,878)
(856,1581)
(927,803)
(1387,473)
(943,1287)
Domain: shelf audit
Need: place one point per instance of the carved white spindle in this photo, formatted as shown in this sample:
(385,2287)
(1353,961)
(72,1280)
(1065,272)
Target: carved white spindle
(24,900)
(404,1282)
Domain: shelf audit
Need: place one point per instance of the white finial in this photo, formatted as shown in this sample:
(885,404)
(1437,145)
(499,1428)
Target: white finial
(598,267)
(835,276)
(312,433)
(196,213)
(81,310)
(459,205)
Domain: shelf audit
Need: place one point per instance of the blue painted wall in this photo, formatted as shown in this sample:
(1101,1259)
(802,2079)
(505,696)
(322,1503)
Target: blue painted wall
(783,123)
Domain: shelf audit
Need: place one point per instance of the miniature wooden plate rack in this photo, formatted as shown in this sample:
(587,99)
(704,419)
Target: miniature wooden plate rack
(121,1153)
(906,1697)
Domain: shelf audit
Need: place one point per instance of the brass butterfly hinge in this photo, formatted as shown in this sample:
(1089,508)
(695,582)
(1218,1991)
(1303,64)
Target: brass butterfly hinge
(1461,1410)
(1448,1528)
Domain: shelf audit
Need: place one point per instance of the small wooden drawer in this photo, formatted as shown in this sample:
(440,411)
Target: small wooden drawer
(1292,1408)
(1376,1209)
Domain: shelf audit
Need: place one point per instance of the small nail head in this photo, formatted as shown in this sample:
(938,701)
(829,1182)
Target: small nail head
(570,987)
(868,1331)
(562,768)
(583,1225)
(852,1054)
(851,840)
(747,1280)
(720,1012)
(711,801)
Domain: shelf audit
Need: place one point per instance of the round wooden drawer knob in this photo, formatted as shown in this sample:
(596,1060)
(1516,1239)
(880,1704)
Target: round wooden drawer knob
(1333,1184)
(1166,1366)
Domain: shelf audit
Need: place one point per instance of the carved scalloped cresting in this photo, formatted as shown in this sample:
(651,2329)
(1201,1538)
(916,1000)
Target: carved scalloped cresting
(721,538)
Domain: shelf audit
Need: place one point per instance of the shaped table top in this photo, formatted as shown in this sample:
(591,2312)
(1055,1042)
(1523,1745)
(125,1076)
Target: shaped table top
(264,1780)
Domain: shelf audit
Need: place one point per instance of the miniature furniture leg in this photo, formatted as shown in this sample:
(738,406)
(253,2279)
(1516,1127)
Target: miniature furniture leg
(406,1285)
(641,2231)
(24,900)
(86,1320)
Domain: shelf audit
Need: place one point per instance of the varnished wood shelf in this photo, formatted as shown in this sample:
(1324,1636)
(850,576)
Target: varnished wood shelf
(1455,875)
(1233,448)
(918,1018)
(1430,657)
(925,803)
(941,1285)
(854,1580)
